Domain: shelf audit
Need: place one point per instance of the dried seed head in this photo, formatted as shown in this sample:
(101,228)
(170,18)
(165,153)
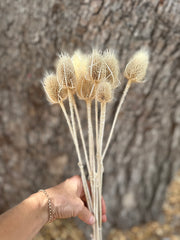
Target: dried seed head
(96,66)
(111,68)
(104,92)
(65,72)
(85,87)
(80,63)
(53,91)
(62,94)
(51,88)
(137,66)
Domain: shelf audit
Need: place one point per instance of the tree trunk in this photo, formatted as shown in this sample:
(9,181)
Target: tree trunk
(36,148)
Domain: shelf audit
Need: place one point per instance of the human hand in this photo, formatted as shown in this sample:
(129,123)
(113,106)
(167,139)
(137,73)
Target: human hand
(68,199)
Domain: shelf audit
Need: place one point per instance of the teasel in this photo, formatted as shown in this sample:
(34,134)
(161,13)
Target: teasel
(96,70)
(135,71)
(111,68)
(86,89)
(56,94)
(92,77)
(103,95)
(110,80)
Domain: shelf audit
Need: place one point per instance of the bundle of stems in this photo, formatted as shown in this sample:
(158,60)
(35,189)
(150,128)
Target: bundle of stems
(92,77)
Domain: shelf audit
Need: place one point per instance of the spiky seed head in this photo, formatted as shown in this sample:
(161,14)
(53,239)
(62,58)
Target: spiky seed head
(96,66)
(65,72)
(111,68)
(137,66)
(62,94)
(85,88)
(51,88)
(104,92)
(80,63)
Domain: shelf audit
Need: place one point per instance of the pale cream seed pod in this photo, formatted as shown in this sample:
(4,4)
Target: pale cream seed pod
(80,63)
(111,68)
(96,66)
(136,68)
(52,89)
(85,89)
(104,92)
(65,72)
(62,94)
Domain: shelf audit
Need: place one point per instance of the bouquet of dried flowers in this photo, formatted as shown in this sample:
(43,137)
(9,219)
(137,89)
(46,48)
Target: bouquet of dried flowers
(92,78)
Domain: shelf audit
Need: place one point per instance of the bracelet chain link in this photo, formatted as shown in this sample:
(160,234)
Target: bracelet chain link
(50,210)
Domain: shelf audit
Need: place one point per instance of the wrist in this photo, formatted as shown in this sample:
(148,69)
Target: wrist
(39,202)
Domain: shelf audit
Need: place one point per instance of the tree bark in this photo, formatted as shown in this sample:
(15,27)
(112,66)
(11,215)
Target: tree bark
(36,147)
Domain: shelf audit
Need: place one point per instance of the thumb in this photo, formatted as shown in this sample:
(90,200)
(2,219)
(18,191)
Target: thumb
(86,216)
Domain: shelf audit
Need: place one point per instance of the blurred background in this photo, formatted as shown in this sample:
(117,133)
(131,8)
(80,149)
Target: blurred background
(36,150)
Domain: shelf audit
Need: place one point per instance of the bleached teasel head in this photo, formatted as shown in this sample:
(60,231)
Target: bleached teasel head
(52,89)
(136,68)
(96,66)
(85,88)
(104,92)
(111,68)
(65,72)
(80,63)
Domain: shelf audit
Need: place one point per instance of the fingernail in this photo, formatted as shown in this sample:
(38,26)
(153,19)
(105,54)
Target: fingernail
(92,220)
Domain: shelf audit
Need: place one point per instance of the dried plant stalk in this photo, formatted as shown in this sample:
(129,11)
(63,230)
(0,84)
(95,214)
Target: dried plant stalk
(135,71)
(100,164)
(86,189)
(82,136)
(96,120)
(91,146)
(116,116)
(103,95)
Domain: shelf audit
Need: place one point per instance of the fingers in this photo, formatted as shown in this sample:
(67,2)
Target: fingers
(104,218)
(86,216)
(103,206)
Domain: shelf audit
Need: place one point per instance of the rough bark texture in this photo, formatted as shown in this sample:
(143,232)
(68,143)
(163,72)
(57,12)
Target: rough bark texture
(36,149)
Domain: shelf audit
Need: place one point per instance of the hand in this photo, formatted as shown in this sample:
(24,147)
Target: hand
(69,200)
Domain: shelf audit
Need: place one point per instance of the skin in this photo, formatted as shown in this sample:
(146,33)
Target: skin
(26,219)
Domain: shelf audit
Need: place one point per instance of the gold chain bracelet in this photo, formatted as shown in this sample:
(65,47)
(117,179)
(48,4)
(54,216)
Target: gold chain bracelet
(50,210)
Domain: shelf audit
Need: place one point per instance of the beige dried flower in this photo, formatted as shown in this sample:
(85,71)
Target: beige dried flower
(85,88)
(96,66)
(51,88)
(65,72)
(53,91)
(135,70)
(80,63)
(63,94)
(111,68)
(104,92)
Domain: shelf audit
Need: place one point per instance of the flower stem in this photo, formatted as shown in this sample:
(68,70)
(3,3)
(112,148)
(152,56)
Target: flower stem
(116,116)
(100,163)
(74,136)
(92,166)
(81,135)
